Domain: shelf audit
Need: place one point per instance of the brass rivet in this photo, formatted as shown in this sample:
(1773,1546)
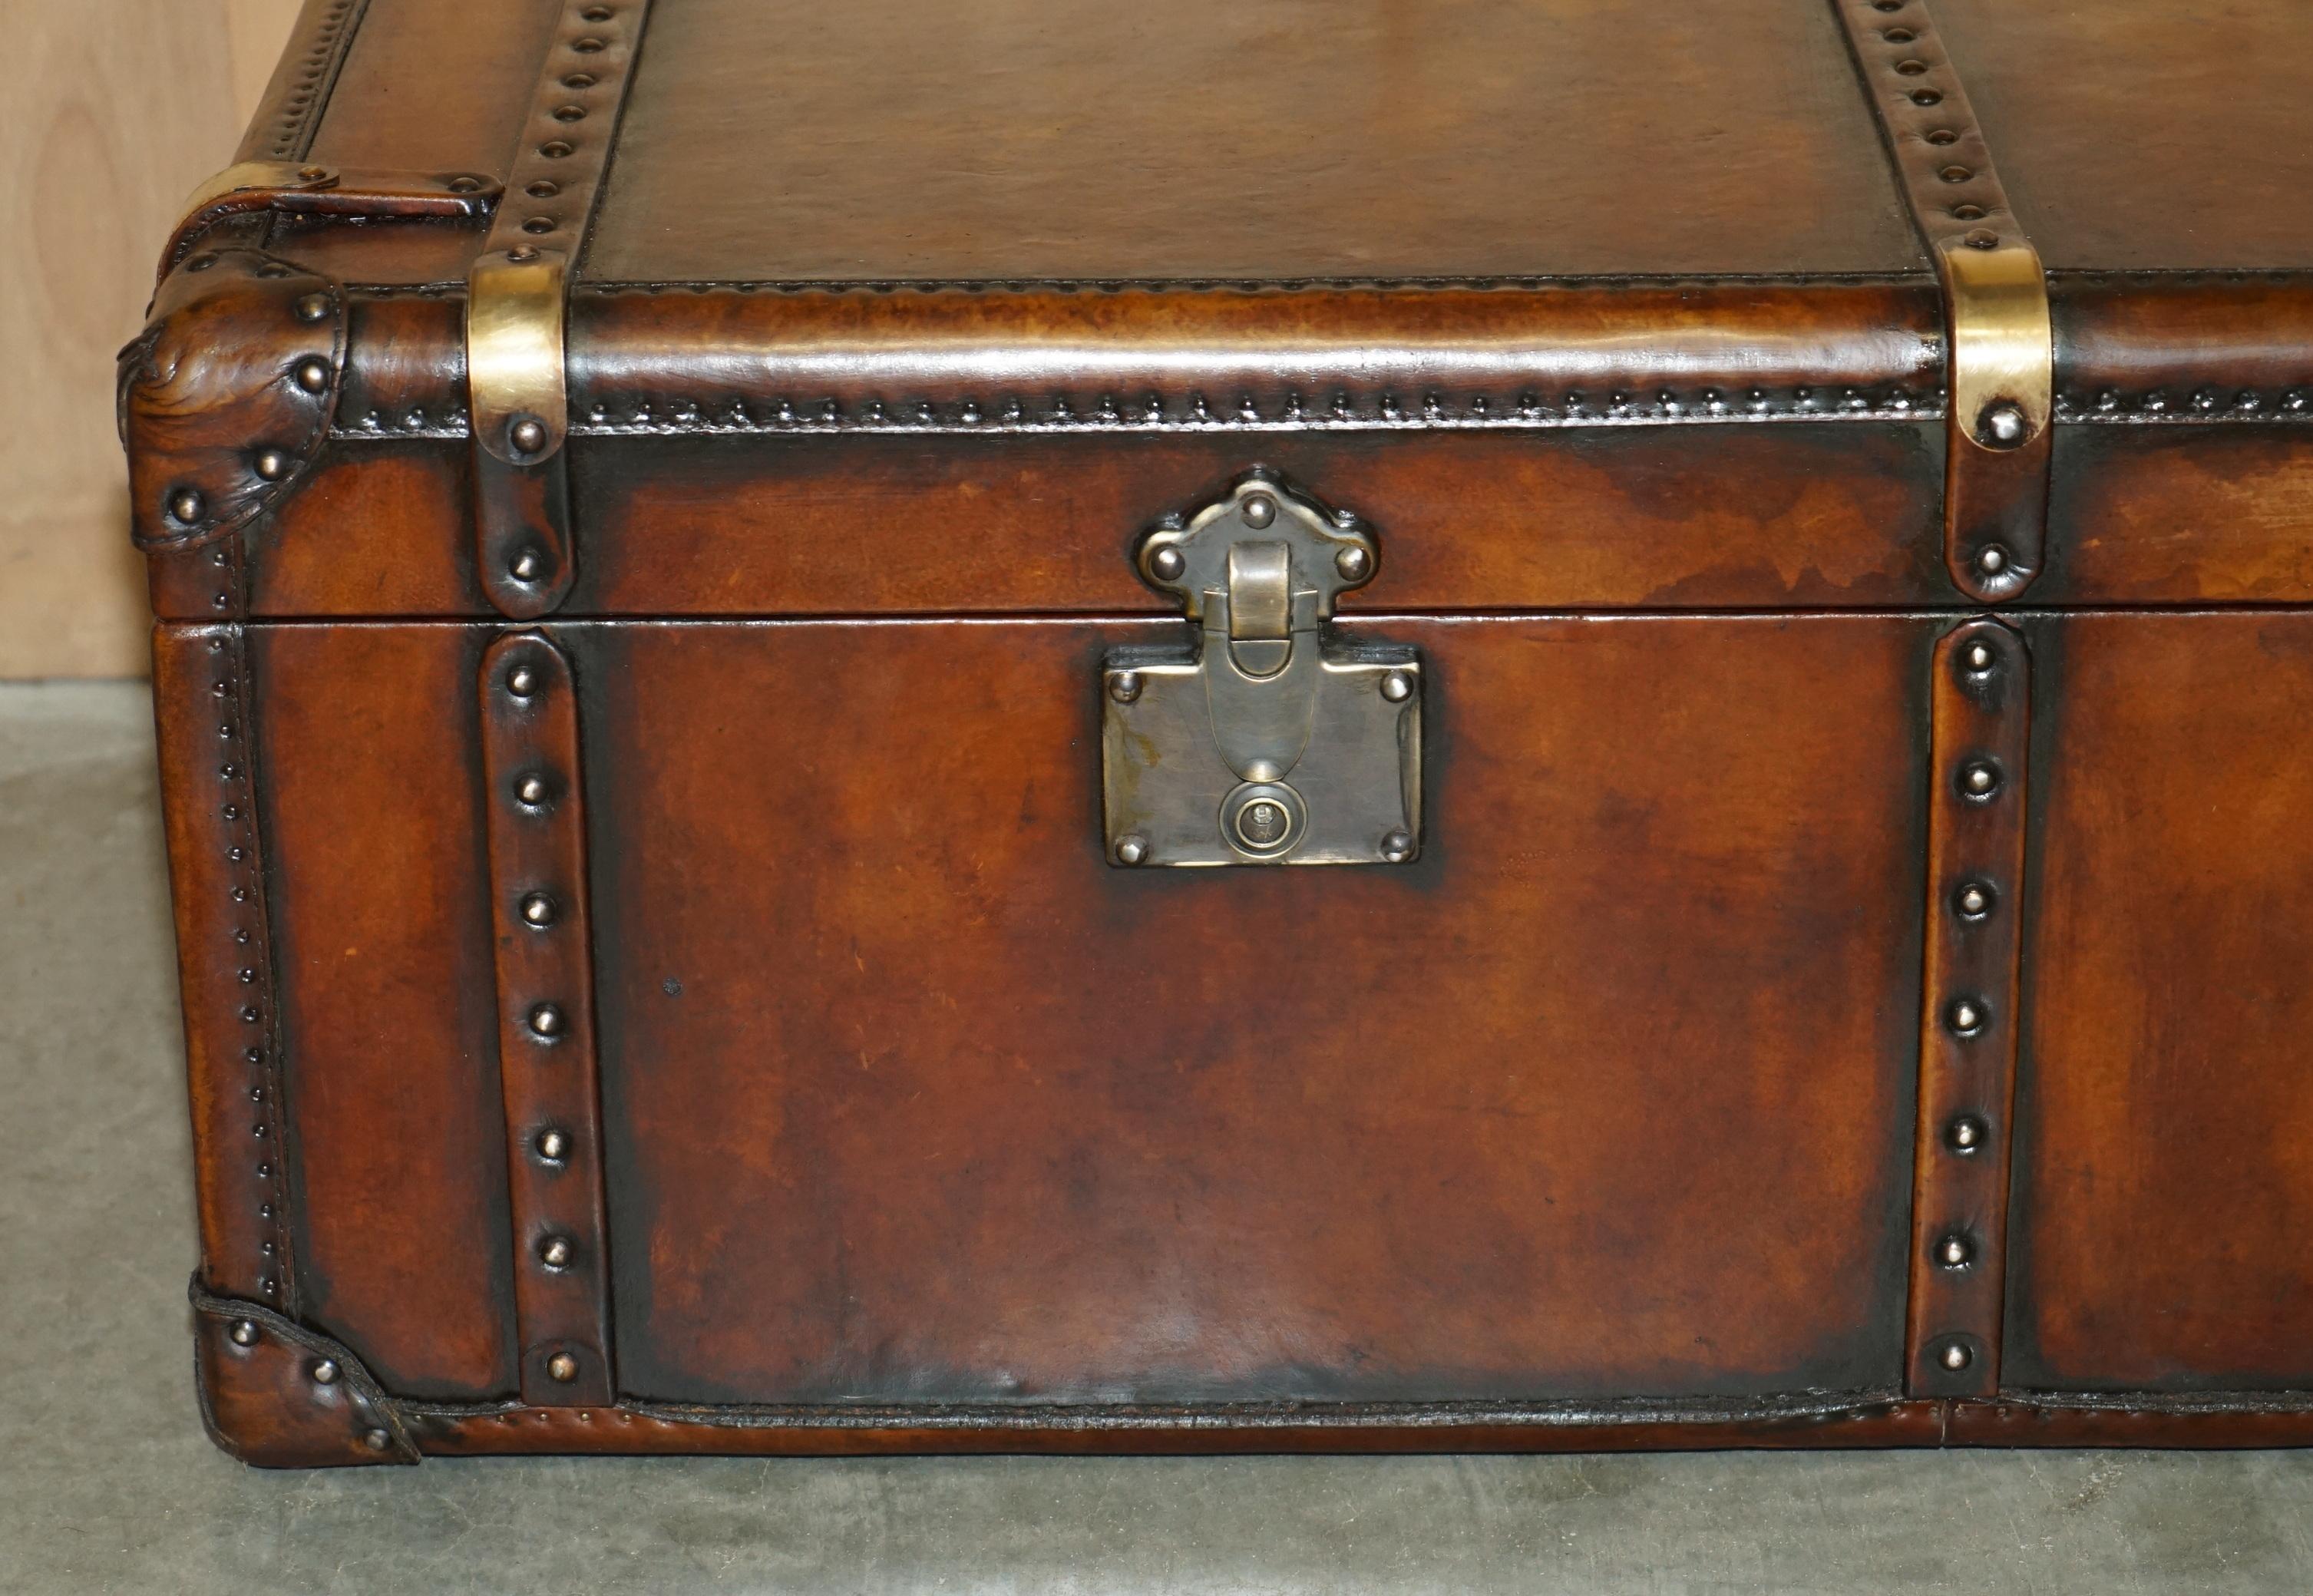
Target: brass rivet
(465,185)
(1954,1356)
(312,174)
(552,1146)
(1396,686)
(1982,238)
(1969,213)
(569,113)
(1973,901)
(543,189)
(1926,97)
(526,566)
(556,1252)
(1941,136)
(1980,657)
(377,1440)
(271,465)
(537,910)
(522,681)
(520,252)
(531,789)
(1124,686)
(1912,68)
(528,435)
(1955,1251)
(1956,174)
(537,225)
(313,307)
(588,45)
(1965,1016)
(562,1367)
(1354,564)
(1168,563)
(1397,847)
(1258,510)
(555,149)
(1991,560)
(312,376)
(1132,849)
(326,1372)
(244,1332)
(1979,779)
(546,1020)
(1966,1134)
(186,504)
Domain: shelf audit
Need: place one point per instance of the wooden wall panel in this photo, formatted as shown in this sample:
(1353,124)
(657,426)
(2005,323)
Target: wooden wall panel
(118,109)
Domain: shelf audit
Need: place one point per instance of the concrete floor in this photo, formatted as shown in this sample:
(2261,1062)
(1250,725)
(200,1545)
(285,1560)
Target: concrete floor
(106,1483)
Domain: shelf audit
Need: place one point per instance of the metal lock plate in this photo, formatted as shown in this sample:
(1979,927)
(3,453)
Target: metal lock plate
(1266,741)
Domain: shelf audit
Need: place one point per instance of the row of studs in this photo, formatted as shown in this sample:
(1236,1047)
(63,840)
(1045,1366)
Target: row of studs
(301,107)
(1107,285)
(518,673)
(1969,196)
(550,170)
(251,962)
(1981,669)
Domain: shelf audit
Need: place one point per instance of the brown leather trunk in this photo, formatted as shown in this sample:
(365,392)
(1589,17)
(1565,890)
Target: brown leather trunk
(716,560)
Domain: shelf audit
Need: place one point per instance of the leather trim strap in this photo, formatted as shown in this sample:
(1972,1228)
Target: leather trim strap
(291,111)
(517,293)
(545,1021)
(1980,697)
(2001,366)
(233,1056)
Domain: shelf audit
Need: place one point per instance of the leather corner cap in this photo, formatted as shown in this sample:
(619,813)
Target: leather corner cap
(278,1395)
(226,395)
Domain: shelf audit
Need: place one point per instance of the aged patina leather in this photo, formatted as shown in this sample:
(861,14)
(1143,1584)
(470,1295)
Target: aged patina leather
(1835,1001)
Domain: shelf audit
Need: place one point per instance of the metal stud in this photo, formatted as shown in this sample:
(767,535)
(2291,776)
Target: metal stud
(1132,849)
(377,1440)
(313,307)
(531,789)
(1966,1134)
(1979,779)
(1124,686)
(562,1367)
(1991,560)
(1354,564)
(546,1020)
(1954,1356)
(1973,901)
(326,1372)
(1397,847)
(526,566)
(1168,563)
(186,504)
(271,465)
(1258,510)
(537,910)
(1965,1016)
(244,1332)
(529,435)
(2001,425)
(552,1146)
(1396,686)
(312,376)
(1980,657)
(556,1252)
(522,681)
(1955,1251)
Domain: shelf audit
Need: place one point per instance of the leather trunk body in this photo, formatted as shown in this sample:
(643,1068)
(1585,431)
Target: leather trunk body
(661,972)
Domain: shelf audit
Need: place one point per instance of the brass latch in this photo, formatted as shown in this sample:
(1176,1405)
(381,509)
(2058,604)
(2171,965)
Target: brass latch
(1268,741)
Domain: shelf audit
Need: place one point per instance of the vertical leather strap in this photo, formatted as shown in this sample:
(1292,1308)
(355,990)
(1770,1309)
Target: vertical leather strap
(545,1021)
(1981,698)
(2000,374)
(201,702)
(517,293)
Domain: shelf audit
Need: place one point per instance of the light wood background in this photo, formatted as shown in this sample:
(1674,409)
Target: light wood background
(114,110)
